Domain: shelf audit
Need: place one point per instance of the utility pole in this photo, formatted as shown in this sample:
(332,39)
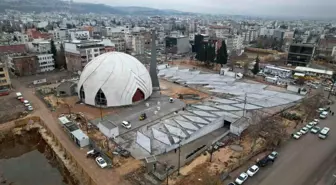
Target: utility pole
(244,105)
(179,158)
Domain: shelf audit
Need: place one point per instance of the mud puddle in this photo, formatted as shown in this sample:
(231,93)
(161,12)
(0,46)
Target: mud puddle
(26,159)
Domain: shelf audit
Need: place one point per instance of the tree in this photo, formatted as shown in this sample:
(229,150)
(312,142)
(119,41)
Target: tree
(53,50)
(200,55)
(222,55)
(256,69)
(210,54)
(61,63)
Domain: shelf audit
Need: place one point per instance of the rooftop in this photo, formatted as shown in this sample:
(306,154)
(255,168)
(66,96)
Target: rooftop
(313,70)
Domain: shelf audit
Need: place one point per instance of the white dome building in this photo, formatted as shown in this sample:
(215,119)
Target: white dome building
(114,79)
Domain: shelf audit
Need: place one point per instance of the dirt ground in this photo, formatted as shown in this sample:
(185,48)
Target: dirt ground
(10,108)
(202,172)
(62,105)
(172,90)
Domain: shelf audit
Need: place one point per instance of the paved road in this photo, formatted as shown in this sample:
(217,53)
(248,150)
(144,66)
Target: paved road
(100,176)
(307,161)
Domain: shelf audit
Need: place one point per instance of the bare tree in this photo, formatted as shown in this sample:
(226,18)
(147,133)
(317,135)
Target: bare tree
(246,68)
(311,104)
(268,127)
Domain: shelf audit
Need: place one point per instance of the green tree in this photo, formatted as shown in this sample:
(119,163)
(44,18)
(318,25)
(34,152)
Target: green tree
(211,53)
(222,54)
(61,58)
(201,54)
(53,51)
(256,68)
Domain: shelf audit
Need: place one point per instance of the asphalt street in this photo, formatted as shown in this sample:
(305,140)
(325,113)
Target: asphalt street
(307,161)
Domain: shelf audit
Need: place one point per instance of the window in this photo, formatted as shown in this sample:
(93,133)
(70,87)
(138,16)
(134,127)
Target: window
(3,81)
(1,69)
(2,75)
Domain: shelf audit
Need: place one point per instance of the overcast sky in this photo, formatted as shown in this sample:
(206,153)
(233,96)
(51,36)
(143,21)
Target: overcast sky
(307,8)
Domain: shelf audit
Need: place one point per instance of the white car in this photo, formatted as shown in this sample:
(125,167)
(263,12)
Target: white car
(101,162)
(317,121)
(297,135)
(241,178)
(26,103)
(304,130)
(315,130)
(30,108)
(324,114)
(321,109)
(126,124)
(252,170)
(310,125)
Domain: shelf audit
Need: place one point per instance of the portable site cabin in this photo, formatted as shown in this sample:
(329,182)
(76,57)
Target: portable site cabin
(76,134)
(80,138)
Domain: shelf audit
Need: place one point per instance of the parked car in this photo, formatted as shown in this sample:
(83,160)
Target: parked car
(304,130)
(120,151)
(30,108)
(26,103)
(101,162)
(264,161)
(317,121)
(252,170)
(19,96)
(297,135)
(315,130)
(231,183)
(310,125)
(241,178)
(324,114)
(273,155)
(92,153)
(126,124)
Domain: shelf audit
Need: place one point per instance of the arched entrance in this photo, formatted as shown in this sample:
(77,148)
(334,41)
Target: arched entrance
(82,93)
(100,98)
(138,96)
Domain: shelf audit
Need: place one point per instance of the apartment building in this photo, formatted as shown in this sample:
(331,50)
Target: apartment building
(219,31)
(113,32)
(5,82)
(300,54)
(249,35)
(21,37)
(39,46)
(138,44)
(178,45)
(46,62)
(79,34)
(22,64)
(119,43)
(59,34)
(79,53)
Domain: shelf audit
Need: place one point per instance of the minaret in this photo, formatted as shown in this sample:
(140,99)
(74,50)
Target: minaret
(153,67)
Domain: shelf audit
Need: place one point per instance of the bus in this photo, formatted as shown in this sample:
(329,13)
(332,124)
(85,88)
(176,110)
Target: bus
(324,133)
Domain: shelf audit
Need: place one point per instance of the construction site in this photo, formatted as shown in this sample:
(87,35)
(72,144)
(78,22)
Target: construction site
(197,124)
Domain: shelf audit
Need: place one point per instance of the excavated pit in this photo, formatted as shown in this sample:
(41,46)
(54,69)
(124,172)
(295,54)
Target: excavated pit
(26,159)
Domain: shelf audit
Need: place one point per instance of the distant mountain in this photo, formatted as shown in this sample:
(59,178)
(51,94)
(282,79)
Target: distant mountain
(58,5)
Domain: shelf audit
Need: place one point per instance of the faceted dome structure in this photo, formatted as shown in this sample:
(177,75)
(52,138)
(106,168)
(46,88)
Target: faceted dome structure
(114,79)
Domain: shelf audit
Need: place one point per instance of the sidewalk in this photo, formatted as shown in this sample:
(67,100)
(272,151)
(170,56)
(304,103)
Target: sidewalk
(99,176)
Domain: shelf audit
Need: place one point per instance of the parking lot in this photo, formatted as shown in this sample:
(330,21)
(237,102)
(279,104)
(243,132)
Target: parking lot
(10,108)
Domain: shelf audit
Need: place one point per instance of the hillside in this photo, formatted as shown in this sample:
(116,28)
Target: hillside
(57,5)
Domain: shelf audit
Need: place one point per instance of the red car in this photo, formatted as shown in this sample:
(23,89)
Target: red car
(22,100)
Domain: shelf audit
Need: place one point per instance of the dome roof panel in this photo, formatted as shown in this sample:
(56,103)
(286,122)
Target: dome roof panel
(118,75)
